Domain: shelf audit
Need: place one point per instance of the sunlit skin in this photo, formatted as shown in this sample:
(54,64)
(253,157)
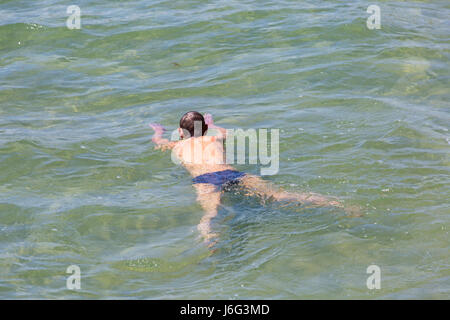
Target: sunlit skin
(211,159)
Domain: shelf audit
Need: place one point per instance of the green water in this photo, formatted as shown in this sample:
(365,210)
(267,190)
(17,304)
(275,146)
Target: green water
(363,115)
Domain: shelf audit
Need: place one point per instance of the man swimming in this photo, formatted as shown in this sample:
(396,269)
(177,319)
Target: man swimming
(203,157)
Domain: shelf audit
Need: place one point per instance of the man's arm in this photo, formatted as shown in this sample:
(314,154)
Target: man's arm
(157,138)
(221,132)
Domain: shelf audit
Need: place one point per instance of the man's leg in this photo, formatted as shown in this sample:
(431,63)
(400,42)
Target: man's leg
(258,187)
(209,198)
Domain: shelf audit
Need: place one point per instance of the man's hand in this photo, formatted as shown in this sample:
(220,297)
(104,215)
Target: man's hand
(222,133)
(209,120)
(161,143)
(159,130)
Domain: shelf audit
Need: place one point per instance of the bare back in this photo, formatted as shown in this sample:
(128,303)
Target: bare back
(200,155)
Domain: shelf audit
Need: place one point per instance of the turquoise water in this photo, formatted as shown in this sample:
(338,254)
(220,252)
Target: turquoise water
(363,115)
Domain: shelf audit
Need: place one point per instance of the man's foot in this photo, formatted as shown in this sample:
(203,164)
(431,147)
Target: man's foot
(353,211)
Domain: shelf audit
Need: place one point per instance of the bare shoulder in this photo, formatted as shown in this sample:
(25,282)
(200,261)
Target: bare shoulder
(210,138)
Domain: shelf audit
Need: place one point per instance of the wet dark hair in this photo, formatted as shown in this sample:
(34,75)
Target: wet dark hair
(188,120)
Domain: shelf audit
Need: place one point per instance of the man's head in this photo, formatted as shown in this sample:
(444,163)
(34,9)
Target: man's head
(192,123)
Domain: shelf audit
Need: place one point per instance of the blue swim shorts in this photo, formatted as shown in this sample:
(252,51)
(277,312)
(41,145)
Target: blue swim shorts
(219,178)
